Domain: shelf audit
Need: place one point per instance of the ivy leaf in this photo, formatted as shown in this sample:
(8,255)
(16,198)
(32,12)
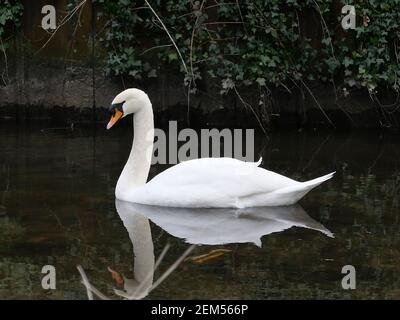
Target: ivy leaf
(326,41)
(152,73)
(347,62)
(172,56)
(351,82)
(261,82)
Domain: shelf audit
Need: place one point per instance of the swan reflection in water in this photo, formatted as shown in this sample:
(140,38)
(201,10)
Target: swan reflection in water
(198,226)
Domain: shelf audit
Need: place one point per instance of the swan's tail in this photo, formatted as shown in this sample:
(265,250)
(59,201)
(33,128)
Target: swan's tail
(290,195)
(285,196)
(315,182)
(295,193)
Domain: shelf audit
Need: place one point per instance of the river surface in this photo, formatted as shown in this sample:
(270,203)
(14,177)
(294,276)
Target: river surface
(57,207)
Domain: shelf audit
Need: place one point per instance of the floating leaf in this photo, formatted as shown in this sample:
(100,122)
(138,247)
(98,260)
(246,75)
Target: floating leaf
(213,254)
(116,276)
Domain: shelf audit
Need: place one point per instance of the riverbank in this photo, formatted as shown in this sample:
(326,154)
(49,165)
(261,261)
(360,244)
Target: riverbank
(77,94)
(70,76)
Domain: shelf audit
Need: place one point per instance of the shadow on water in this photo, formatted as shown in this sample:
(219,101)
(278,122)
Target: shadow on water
(57,207)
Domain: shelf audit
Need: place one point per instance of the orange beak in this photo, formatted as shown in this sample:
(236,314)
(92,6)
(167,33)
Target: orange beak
(114,118)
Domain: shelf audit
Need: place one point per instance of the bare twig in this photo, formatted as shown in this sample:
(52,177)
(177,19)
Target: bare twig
(151,272)
(221,22)
(323,23)
(156,47)
(92,290)
(169,35)
(172,267)
(5,60)
(63,21)
(241,16)
(247,105)
(85,282)
(89,287)
(317,102)
(192,39)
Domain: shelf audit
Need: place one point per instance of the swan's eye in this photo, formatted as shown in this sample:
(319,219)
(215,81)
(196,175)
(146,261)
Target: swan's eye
(116,106)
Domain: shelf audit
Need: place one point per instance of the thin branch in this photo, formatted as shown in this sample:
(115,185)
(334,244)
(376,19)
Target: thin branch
(156,47)
(323,23)
(90,289)
(247,105)
(205,8)
(172,267)
(317,103)
(192,39)
(151,272)
(169,35)
(241,16)
(5,60)
(63,21)
(219,4)
(222,22)
(85,282)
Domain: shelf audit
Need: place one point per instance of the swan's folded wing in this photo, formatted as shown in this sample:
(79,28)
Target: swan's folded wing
(209,182)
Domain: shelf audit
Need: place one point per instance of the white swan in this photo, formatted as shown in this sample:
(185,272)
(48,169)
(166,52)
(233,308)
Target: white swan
(200,183)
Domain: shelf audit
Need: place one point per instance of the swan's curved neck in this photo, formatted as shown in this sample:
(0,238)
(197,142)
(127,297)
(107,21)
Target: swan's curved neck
(143,249)
(137,167)
(138,227)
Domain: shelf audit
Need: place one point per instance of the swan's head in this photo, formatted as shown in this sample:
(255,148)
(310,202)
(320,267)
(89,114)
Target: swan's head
(127,102)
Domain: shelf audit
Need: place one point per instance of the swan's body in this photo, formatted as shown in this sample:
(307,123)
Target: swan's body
(200,183)
(220,183)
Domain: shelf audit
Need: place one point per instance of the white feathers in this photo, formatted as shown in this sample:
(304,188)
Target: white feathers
(220,183)
(200,183)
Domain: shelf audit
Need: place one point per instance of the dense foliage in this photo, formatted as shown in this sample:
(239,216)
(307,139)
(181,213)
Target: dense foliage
(264,43)
(246,43)
(10,13)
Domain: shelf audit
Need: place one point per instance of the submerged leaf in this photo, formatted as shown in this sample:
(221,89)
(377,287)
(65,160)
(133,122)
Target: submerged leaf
(116,276)
(213,254)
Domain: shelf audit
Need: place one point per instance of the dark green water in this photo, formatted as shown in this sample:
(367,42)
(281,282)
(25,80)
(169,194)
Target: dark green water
(57,207)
